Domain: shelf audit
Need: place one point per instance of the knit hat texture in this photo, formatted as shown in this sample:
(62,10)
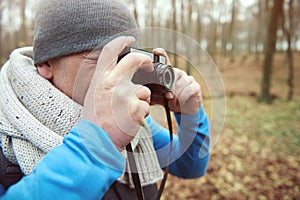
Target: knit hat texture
(64,27)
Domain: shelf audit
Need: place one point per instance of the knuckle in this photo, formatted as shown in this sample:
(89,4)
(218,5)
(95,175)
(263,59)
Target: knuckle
(192,90)
(181,72)
(139,108)
(191,79)
(161,51)
(108,49)
(133,110)
(145,90)
(197,86)
(109,82)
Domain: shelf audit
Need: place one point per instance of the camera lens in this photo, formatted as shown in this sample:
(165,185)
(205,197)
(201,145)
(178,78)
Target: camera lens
(165,75)
(167,79)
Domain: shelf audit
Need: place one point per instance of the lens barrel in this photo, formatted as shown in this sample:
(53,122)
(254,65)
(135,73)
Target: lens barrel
(162,75)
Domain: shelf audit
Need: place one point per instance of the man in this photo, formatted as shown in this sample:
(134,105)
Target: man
(68,109)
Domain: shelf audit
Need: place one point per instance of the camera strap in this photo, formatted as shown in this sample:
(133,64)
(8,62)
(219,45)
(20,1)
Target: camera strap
(133,167)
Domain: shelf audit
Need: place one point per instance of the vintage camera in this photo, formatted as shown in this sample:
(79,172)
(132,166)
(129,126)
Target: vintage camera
(160,80)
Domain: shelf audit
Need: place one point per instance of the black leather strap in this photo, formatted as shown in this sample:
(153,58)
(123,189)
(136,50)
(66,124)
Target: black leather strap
(163,182)
(120,191)
(132,164)
(9,172)
(134,173)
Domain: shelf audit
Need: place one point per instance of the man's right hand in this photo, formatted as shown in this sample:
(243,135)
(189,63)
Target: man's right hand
(113,102)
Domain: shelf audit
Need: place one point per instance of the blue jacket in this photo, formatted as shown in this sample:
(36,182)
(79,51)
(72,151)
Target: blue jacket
(87,163)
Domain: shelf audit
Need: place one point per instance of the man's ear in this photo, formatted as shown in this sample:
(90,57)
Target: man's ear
(45,70)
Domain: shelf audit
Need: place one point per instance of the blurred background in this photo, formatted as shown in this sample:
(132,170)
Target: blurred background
(256,47)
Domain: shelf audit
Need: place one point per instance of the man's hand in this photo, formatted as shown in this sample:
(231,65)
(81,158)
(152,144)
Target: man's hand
(186,96)
(113,102)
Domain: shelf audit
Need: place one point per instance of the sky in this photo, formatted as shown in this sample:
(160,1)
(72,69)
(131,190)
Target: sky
(247,3)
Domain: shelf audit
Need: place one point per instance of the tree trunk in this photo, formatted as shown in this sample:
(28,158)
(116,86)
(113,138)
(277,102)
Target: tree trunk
(224,38)
(174,37)
(135,12)
(259,26)
(231,30)
(270,49)
(188,21)
(23,34)
(212,41)
(1,45)
(289,52)
(199,24)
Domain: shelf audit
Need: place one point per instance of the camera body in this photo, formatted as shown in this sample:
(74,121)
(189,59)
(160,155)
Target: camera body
(160,80)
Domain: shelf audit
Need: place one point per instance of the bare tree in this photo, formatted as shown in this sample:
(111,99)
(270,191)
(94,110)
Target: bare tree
(231,29)
(269,52)
(1,47)
(224,38)
(259,29)
(135,13)
(174,26)
(23,22)
(151,12)
(199,23)
(186,21)
(287,27)
(212,31)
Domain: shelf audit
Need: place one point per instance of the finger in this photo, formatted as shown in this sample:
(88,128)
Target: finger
(182,81)
(191,90)
(161,51)
(143,93)
(179,74)
(139,110)
(110,52)
(131,63)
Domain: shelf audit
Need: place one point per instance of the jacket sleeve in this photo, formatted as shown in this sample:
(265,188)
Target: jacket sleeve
(83,167)
(190,148)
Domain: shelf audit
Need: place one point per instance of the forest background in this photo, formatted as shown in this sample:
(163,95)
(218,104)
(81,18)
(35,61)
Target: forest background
(255,45)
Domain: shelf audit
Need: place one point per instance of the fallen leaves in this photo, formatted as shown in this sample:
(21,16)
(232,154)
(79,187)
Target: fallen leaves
(256,157)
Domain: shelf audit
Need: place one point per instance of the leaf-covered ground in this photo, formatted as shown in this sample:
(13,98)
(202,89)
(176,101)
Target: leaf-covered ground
(258,153)
(256,157)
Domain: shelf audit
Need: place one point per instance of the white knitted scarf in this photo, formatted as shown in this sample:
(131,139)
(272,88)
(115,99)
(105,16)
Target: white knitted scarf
(35,116)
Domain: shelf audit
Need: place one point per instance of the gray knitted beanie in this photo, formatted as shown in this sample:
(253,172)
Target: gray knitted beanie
(65,27)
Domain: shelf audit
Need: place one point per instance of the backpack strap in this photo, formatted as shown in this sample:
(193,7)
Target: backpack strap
(9,173)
